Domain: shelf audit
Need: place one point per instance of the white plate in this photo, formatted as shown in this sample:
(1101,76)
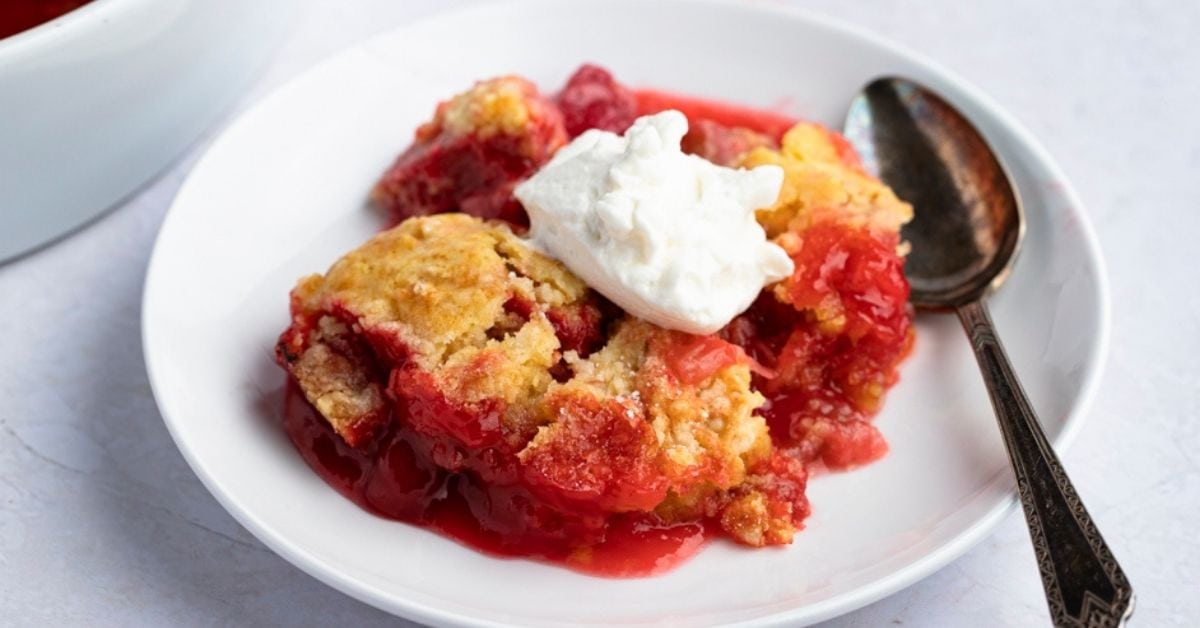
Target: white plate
(281,194)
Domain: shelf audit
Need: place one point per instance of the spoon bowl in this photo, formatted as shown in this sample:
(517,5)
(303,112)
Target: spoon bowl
(934,158)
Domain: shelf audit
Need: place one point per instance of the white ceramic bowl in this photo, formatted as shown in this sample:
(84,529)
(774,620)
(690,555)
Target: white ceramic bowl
(281,194)
(95,102)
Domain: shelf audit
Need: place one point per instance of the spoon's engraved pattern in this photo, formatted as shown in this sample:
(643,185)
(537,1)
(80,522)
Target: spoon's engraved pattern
(1085,587)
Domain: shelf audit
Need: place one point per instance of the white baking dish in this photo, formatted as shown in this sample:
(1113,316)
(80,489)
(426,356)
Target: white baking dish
(95,102)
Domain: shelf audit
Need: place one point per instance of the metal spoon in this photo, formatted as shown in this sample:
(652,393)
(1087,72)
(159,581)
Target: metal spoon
(965,234)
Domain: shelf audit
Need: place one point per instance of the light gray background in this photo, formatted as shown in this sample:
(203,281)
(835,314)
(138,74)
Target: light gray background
(102,522)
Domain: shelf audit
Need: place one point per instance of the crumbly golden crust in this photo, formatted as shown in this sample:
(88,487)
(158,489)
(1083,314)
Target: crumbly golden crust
(440,284)
(335,370)
(497,106)
(819,181)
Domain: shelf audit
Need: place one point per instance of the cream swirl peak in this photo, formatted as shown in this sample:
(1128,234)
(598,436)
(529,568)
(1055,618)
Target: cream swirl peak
(669,237)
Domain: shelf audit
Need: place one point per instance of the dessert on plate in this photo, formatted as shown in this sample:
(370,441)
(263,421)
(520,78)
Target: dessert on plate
(603,325)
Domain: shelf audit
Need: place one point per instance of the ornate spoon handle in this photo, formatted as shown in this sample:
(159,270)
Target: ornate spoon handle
(1084,584)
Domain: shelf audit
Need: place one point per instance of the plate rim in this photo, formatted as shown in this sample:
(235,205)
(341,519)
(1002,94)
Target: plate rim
(900,578)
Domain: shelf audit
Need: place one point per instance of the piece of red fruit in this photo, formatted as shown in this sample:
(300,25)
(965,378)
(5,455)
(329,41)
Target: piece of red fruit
(593,99)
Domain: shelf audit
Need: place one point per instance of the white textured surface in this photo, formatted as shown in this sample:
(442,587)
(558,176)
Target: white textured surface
(102,523)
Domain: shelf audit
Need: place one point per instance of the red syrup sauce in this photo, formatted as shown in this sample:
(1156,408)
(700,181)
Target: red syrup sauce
(21,15)
(389,480)
(768,123)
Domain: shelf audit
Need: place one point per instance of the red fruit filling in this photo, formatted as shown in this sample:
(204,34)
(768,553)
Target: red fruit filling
(836,348)
(593,99)
(469,158)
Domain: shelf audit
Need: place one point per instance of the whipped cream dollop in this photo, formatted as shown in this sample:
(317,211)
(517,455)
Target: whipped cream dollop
(669,237)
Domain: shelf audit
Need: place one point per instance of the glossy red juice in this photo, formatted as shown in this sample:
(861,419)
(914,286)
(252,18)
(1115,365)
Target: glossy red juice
(390,481)
(21,15)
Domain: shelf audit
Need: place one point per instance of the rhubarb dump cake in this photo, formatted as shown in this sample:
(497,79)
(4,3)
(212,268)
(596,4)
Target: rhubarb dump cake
(603,326)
